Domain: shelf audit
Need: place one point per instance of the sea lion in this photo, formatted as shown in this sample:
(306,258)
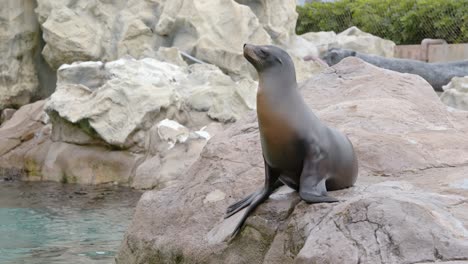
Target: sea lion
(437,74)
(298,149)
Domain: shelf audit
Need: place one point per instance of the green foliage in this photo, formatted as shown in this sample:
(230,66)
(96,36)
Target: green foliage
(403,21)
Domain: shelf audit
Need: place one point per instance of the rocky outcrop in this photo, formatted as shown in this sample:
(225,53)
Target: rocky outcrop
(456,93)
(134,122)
(352,38)
(400,210)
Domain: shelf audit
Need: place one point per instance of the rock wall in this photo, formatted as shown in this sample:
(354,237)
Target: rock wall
(400,211)
(212,31)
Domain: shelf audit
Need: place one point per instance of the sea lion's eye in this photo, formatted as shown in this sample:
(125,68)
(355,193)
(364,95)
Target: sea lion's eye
(263,53)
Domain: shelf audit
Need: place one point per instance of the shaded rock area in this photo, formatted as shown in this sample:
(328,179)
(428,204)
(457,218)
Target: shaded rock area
(352,38)
(456,93)
(408,206)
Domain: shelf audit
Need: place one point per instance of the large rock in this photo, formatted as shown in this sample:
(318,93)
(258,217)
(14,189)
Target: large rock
(352,38)
(456,93)
(115,101)
(400,130)
(19,32)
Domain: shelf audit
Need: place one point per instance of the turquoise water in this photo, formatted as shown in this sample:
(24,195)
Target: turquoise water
(53,223)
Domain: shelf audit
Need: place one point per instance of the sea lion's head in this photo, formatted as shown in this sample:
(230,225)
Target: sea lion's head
(268,57)
(335,55)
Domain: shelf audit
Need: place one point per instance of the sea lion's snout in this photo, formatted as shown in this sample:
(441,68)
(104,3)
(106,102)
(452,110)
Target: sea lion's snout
(249,54)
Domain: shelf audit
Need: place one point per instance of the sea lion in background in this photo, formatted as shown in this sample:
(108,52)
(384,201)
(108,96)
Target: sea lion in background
(437,74)
(298,149)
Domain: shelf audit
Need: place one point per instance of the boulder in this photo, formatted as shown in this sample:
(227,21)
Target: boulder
(352,38)
(456,93)
(113,102)
(24,125)
(400,130)
(19,33)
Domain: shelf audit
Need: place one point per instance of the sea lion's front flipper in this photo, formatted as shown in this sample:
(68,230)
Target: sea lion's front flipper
(271,179)
(312,188)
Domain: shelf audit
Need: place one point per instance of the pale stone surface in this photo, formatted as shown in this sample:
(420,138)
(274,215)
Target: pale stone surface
(352,38)
(456,93)
(19,33)
(114,101)
(400,130)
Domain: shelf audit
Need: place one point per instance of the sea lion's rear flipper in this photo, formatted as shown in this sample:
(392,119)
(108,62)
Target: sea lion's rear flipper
(253,200)
(246,201)
(312,188)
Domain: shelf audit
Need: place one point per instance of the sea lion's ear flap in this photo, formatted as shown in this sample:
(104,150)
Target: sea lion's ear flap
(279,60)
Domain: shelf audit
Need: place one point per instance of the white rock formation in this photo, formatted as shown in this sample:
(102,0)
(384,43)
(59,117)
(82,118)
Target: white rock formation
(114,101)
(456,93)
(352,38)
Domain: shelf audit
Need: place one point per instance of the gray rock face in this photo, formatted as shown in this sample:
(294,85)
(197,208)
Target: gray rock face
(410,215)
(24,75)
(436,74)
(19,32)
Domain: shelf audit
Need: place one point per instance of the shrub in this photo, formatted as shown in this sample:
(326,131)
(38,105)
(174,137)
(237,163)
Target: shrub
(403,21)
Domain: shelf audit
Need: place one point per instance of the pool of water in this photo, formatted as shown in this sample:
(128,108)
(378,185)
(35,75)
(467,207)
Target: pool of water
(54,223)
